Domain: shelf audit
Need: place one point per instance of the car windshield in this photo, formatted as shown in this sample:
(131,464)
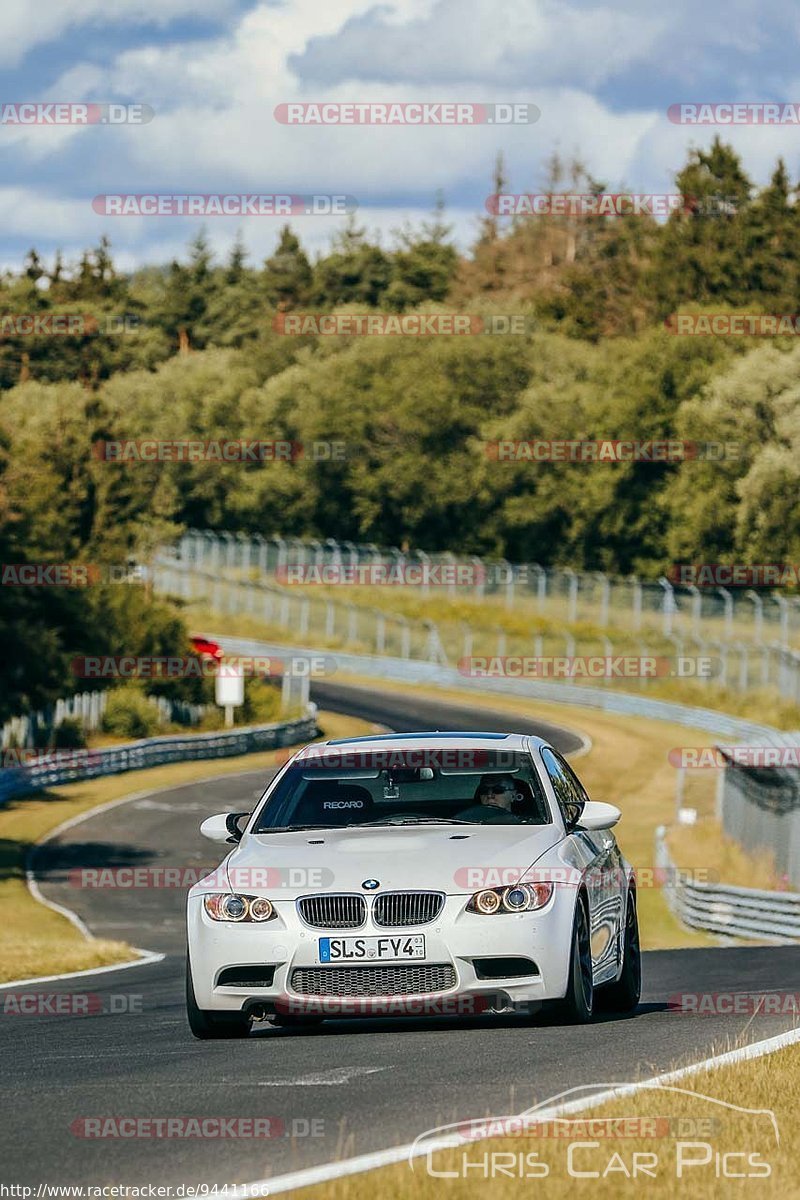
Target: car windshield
(457,786)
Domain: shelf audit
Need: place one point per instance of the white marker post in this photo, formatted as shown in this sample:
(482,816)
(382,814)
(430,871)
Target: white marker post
(229,690)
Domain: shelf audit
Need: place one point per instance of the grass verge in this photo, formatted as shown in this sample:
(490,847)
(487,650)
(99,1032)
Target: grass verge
(35,940)
(695,1140)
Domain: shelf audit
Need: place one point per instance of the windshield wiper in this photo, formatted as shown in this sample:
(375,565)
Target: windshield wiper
(293,828)
(409,821)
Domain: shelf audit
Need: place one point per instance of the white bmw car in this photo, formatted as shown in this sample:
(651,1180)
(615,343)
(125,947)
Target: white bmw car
(414,875)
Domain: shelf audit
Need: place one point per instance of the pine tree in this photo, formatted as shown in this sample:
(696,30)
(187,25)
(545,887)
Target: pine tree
(287,274)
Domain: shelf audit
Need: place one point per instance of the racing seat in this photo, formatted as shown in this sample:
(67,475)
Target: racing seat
(331,802)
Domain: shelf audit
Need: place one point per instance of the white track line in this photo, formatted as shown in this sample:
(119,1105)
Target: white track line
(146,956)
(325,1172)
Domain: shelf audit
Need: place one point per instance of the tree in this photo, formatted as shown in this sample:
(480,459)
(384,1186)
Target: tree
(287,273)
(355,272)
(425,263)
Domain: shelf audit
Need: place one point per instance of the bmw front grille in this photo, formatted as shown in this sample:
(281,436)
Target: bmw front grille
(400,909)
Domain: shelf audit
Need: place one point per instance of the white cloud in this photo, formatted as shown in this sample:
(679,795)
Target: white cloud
(214,129)
(517,43)
(27,24)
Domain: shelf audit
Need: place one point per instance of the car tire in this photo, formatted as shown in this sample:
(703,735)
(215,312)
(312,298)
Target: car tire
(205,1025)
(577,1007)
(623,995)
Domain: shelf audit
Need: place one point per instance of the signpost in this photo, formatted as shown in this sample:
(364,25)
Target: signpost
(229,690)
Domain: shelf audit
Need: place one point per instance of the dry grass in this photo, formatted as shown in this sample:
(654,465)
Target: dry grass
(692,1114)
(34,940)
(724,859)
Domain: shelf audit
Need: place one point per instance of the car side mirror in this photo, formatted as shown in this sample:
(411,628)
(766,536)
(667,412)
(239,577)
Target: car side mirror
(596,815)
(223,827)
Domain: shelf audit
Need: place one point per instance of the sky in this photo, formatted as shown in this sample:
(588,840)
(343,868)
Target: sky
(213,71)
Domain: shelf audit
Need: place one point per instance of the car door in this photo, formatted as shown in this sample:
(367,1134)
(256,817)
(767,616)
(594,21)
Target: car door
(597,848)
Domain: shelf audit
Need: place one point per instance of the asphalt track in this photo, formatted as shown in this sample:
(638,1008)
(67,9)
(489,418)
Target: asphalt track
(344,1088)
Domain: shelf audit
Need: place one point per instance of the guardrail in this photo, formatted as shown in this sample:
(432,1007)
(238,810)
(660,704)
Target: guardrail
(434,674)
(78,765)
(726,910)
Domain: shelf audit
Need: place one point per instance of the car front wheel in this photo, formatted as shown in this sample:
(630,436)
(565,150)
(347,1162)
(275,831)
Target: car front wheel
(577,1007)
(623,996)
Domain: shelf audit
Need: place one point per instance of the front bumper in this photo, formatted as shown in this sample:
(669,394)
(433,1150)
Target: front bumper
(456,938)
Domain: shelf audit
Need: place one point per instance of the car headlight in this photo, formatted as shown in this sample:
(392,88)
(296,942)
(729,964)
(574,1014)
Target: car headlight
(230,906)
(522,897)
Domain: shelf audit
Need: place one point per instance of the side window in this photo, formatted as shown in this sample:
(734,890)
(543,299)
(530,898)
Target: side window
(569,793)
(576,783)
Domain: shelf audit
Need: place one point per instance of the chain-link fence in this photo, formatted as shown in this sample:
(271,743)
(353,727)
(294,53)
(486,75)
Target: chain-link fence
(713,613)
(230,584)
(760,804)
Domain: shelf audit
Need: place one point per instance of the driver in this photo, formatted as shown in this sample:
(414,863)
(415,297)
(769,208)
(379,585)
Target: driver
(494,799)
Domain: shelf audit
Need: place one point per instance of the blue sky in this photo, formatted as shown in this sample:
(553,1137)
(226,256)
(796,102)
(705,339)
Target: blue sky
(213,70)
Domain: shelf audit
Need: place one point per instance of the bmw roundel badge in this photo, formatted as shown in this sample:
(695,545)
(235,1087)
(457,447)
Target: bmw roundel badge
(371,884)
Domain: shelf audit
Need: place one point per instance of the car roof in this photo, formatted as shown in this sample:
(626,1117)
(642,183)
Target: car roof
(433,740)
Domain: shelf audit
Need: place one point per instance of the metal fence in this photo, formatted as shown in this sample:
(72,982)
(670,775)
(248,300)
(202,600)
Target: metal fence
(88,709)
(760,807)
(227,590)
(81,765)
(715,613)
(725,910)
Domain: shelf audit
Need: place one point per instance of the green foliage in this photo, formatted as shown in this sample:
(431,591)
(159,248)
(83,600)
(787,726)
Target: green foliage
(69,735)
(193,351)
(130,714)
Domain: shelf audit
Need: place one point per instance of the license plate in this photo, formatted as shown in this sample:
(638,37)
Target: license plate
(371,949)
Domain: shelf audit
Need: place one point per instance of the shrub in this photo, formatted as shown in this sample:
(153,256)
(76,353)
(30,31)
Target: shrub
(69,735)
(130,714)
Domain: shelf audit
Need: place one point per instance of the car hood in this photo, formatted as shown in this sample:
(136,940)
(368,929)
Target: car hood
(451,858)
